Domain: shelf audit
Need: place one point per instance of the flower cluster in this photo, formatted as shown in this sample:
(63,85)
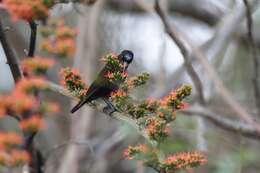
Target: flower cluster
(137,81)
(28,9)
(58,39)
(32,124)
(19,157)
(18,103)
(9,139)
(116,77)
(132,151)
(72,81)
(31,85)
(170,164)
(181,161)
(156,128)
(36,65)
(8,155)
(112,63)
(142,153)
(174,99)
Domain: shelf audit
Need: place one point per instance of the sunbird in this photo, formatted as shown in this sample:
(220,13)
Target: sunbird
(102,86)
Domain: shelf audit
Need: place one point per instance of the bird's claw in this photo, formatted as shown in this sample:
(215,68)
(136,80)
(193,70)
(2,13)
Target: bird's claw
(108,110)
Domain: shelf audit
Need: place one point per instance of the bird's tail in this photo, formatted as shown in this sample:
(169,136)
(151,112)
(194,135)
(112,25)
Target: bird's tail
(77,106)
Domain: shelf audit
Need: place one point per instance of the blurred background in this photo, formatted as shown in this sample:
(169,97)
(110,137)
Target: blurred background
(92,142)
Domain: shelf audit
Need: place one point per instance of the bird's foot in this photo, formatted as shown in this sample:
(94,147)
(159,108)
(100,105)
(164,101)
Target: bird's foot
(108,110)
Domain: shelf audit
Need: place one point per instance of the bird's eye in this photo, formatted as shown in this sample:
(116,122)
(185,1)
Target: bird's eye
(128,58)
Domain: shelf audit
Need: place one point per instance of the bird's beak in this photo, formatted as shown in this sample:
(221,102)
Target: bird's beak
(125,66)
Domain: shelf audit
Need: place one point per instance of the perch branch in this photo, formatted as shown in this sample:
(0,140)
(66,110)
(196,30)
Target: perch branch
(98,106)
(239,127)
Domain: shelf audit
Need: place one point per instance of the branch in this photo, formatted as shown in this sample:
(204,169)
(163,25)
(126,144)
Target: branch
(224,123)
(210,71)
(254,55)
(184,50)
(238,127)
(121,116)
(13,62)
(10,54)
(33,27)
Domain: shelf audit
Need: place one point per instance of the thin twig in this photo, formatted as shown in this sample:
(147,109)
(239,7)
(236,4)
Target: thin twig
(185,52)
(252,43)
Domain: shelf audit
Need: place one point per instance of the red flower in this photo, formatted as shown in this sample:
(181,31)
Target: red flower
(59,39)
(131,151)
(37,65)
(18,102)
(73,82)
(27,9)
(33,124)
(2,107)
(182,161)
(156,128)
(19,157)
(9,139)
(27,85)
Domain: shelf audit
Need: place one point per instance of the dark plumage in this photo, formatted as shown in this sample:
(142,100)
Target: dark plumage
(102,87)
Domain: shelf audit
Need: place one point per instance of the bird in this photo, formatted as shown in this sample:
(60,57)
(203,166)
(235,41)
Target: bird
(102,86)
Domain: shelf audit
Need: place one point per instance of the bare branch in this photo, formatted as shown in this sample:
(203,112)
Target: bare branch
(224,123)
(210,71)
(254,55)
(184,50)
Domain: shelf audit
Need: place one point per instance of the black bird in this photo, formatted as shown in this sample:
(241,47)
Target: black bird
(102,87)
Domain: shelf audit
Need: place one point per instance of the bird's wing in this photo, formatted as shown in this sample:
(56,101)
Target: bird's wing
(86,99)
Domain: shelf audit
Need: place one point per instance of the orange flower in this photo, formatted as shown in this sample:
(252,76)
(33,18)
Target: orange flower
(19,102)
(73,82)
(65,32)
(109,75)
(2,107)
(175,98)
(19,157)
(133,150)
(33,124)
(26,9)
(8,139)
(182,161)
(118,93)
(156,128)
(3,158)
(64,47)
(28,85)
(36,65)
(59,40)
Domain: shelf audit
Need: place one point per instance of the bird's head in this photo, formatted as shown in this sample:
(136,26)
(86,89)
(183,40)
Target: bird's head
(126,56)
